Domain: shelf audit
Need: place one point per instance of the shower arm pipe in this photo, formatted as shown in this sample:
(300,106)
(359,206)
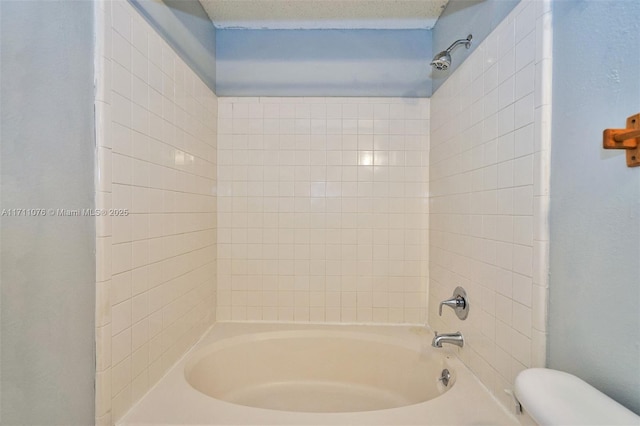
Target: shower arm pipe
(465,41)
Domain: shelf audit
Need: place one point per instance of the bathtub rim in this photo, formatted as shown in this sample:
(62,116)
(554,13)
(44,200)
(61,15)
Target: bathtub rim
(154,407)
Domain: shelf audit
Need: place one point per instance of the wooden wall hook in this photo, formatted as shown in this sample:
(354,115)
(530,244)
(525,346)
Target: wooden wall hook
(627,139)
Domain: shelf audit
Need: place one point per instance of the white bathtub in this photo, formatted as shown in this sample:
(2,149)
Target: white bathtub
(286,374)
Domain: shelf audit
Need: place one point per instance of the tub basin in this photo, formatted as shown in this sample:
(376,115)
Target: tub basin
(318,371)
(272,374)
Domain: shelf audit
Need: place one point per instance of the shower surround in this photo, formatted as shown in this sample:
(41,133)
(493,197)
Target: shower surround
(343,210)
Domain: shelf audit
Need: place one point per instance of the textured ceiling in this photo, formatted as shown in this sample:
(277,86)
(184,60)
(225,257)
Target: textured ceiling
(312,14)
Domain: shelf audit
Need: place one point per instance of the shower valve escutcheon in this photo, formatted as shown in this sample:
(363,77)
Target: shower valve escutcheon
(458,302)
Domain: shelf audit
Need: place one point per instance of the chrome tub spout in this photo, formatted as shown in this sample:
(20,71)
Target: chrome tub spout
(452,338)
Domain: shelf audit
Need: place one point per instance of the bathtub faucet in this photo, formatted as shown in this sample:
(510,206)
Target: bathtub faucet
(453,338)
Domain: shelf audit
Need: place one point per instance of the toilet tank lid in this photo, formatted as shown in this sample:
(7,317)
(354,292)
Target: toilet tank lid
(554,397)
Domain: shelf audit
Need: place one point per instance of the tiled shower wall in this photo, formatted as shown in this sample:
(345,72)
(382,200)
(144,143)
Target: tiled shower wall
(489,197)
(156,268)
(322,209)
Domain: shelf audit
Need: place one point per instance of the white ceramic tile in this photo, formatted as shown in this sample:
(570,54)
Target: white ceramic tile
(525,81)
(163,138)
(525,51)
(121,346)
(121,50)
(103,348)
(506,93)
(121,80)
(103,392)
(121,19)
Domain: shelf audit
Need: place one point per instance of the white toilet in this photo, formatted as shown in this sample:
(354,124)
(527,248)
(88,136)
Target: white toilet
(554,397)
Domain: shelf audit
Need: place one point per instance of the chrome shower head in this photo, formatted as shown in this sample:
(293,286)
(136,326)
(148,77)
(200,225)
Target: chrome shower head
(442,61)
